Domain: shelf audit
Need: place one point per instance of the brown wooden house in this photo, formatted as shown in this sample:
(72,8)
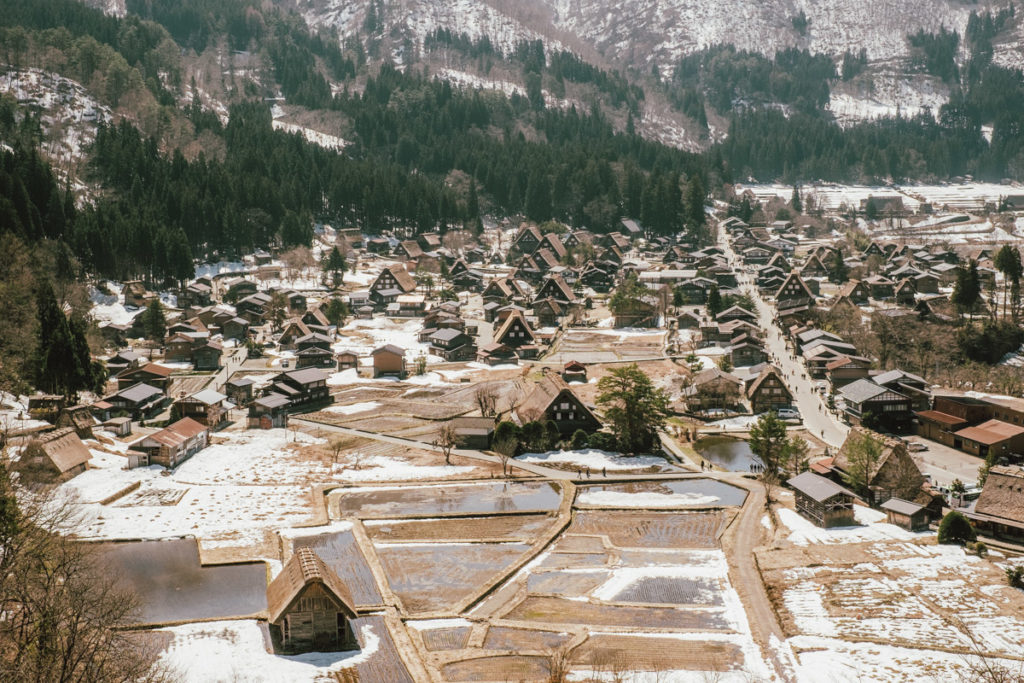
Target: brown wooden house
(553,400)
(768,391)
(822,501)
(311,606)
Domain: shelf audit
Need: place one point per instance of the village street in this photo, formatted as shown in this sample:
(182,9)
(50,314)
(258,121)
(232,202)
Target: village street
(811,404)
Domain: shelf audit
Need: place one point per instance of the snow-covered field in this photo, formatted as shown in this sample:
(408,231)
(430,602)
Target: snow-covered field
(221,651)
(594,459)
(803,531)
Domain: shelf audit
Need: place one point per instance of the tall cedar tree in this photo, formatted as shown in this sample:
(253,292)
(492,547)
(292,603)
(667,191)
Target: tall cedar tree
(154,323)
(1008,263)
(62,363)
(967,289)
(635,408)
(768,441)
(839,271)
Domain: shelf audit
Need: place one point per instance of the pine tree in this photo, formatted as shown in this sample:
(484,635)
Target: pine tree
(635,408)
(795,200)
(714,305)
(538,197)
(154,323)
(840,272)
(56,364)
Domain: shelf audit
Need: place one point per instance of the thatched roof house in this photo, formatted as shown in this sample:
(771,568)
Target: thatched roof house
(1000,509)
(311,605)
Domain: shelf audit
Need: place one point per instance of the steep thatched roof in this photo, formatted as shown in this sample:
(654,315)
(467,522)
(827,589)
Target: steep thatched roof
(1003,494)
(304,569)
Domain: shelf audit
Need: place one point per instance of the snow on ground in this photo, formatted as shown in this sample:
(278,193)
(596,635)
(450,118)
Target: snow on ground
(211,269)
(742,422)
(831,660)
(324,140)
(353,408)
(621,499)
(803,531)
(380,331)
(594,459)
(886,93)
(14,414)
(67,111)
(431,624)
(220,651)
(382,468)
(234,489)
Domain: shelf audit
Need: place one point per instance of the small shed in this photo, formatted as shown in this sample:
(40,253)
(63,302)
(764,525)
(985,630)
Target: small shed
(905,514)
(822,501)
(474,432)
(389,360)
(311,606)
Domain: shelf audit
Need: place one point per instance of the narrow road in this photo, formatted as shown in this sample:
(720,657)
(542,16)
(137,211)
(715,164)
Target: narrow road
(743,536)
(816,417)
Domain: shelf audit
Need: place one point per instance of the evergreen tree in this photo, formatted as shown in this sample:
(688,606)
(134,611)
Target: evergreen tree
(635,408)
(154,323)
(696,194)
(335,264)
(967,289)
(839,271)
(538,197)
(715,305)
(57,369)
(768,441)
(795,200)
(1008,263)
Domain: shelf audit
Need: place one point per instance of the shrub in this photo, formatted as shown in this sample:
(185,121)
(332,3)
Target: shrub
(1015,576)
(507,432)
(602,441)
(955,528)
(579,440)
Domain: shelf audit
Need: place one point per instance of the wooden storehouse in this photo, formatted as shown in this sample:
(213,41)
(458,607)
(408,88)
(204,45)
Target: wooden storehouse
(905,514)
(822,501)
(311,606)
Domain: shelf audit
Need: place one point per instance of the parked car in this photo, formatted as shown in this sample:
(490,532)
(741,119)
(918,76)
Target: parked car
(917,446)
(788,414)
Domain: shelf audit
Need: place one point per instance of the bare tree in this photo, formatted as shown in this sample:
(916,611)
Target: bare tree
(487,399)
(505,448)
(337,446)
(296,260)
(558,665)
(446,440)
(64,611)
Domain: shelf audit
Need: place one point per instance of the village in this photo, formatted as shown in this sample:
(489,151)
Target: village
(391,457)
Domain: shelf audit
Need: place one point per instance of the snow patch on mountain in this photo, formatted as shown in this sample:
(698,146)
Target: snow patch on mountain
(886,93)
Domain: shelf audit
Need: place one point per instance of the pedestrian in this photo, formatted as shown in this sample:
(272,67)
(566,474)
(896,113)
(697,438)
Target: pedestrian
(604,471)
(588,473)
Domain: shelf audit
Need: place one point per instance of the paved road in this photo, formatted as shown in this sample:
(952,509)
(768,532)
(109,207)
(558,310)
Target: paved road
(811,404)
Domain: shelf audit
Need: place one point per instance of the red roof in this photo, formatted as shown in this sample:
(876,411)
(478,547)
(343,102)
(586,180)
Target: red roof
(940,417)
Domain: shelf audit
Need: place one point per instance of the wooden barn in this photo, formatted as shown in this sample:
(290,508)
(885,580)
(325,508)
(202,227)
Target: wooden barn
(311,606)
(822,501)
(905,514)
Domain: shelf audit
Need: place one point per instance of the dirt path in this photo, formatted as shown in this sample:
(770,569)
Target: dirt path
(743,535)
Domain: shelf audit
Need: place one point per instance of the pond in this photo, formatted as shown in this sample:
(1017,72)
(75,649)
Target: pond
(173,586)
(399,501)
(662,494)
(731,454)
